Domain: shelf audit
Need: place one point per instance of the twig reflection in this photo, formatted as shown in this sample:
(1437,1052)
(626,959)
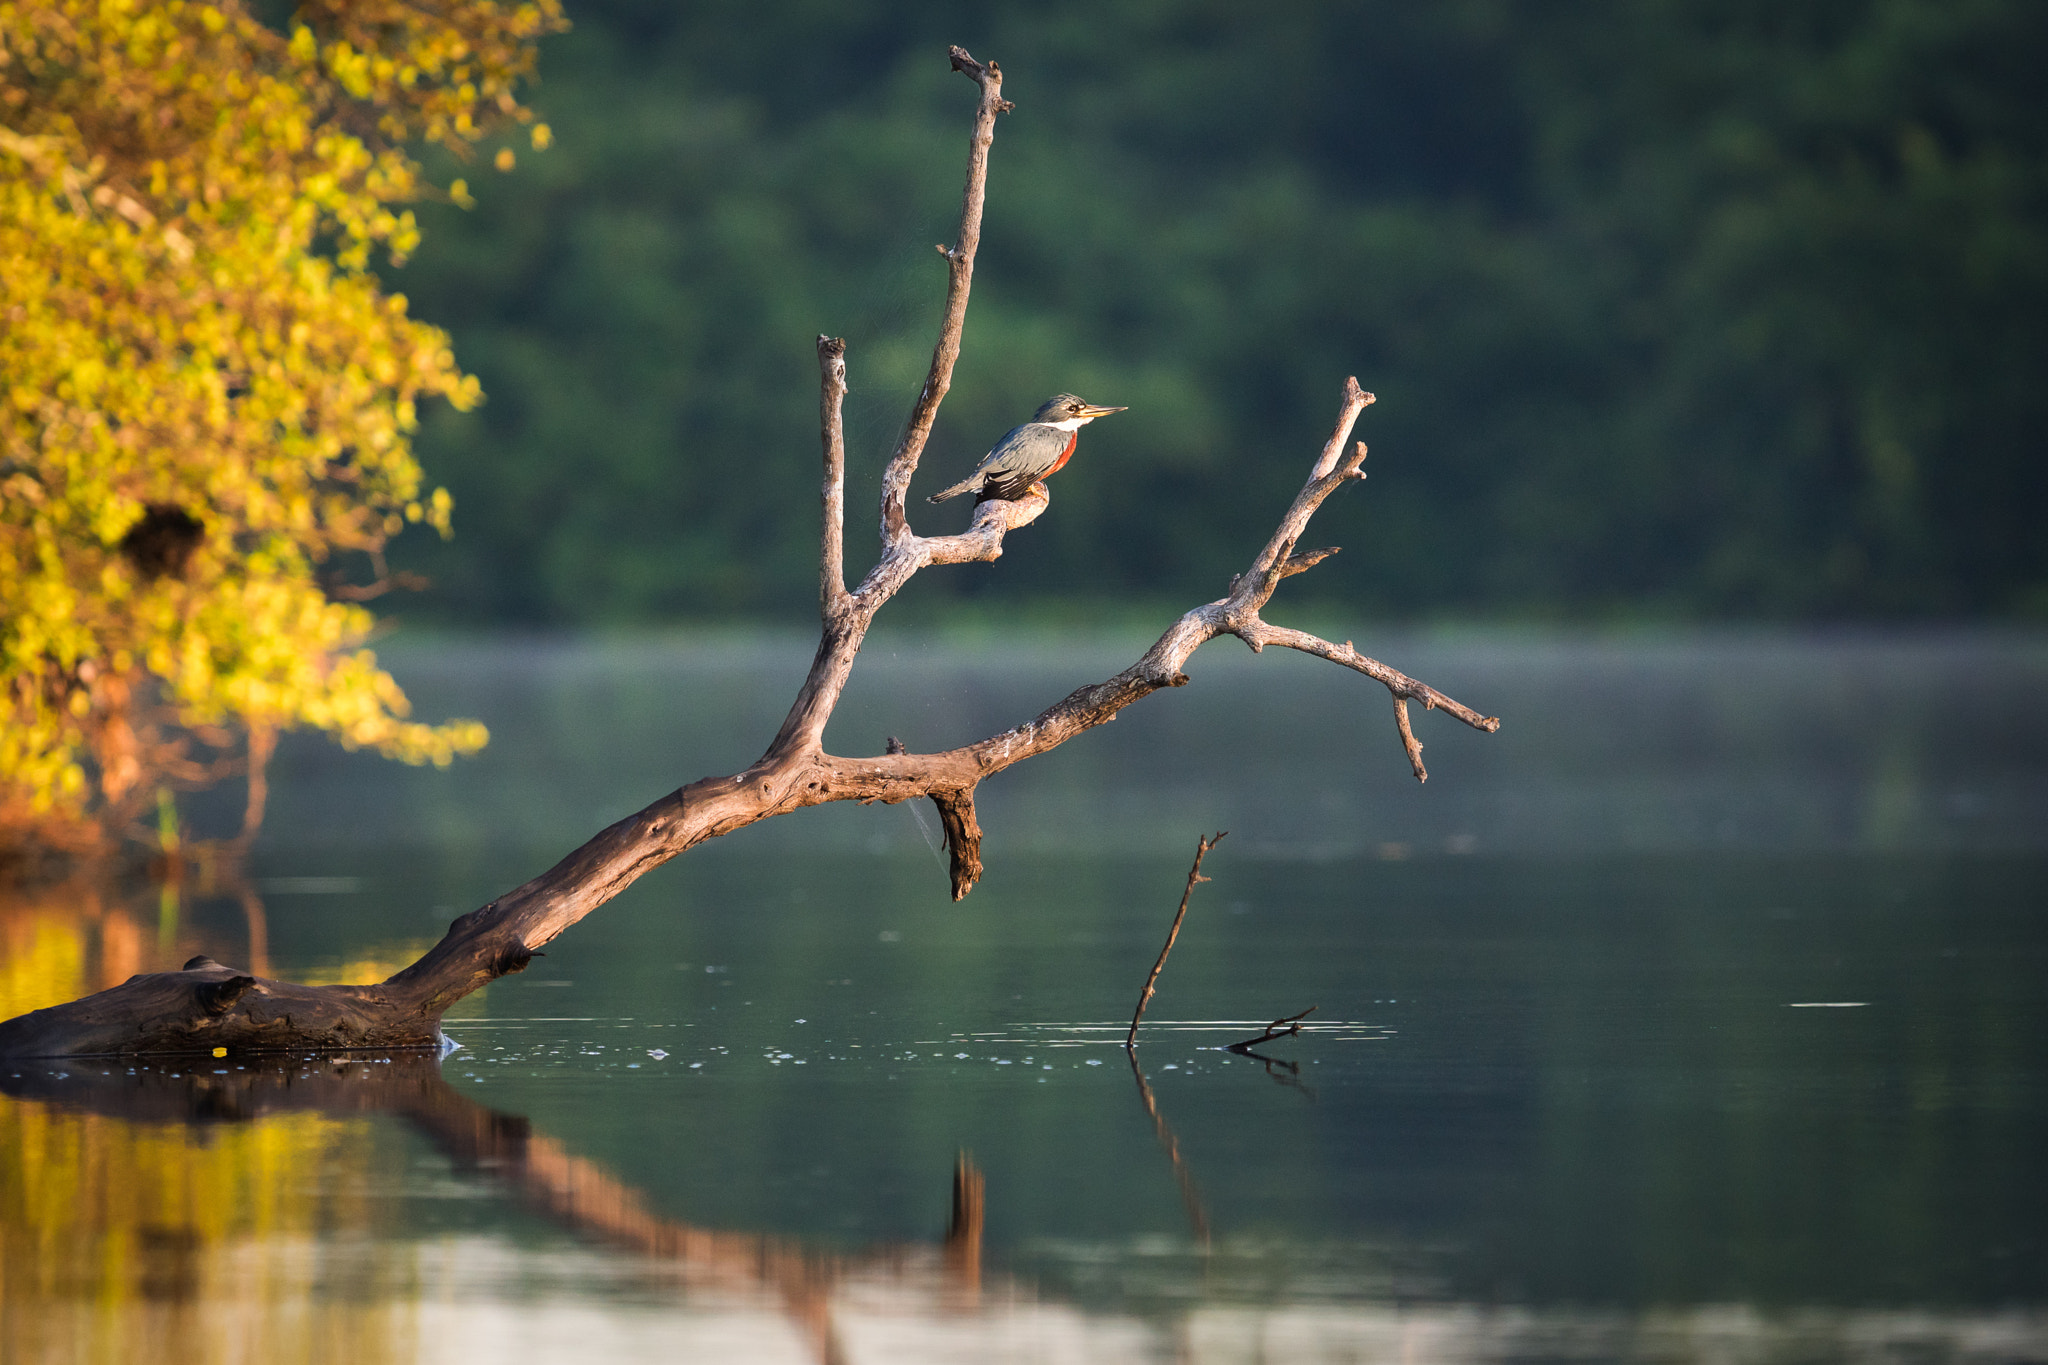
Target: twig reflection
(1284,1073)
(1190,1195)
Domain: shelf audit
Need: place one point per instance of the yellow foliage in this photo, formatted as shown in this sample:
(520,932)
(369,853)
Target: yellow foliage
(113,1234)
(44,964)
(202,411)
(388,961)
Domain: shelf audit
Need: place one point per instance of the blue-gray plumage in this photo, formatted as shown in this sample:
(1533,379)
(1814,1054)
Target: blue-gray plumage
(1034,451)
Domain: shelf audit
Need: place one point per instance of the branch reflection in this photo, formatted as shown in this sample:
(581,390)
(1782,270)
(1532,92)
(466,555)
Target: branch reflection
(182,1229)
(1190,1194)
(1283,1073)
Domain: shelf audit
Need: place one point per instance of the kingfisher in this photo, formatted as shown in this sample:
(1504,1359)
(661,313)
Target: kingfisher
(1037,450)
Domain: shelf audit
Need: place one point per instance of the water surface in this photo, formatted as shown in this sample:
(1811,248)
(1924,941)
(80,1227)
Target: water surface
(1702,1013)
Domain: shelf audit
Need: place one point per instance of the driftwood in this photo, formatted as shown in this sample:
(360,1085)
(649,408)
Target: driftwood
(207,1006)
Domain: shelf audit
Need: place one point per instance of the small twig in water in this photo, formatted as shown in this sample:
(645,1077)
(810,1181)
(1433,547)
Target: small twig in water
(1195,877)
(1279,1028)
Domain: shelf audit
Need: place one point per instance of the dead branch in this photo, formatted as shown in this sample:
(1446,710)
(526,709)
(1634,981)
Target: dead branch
(1195,878)
(963,838)
(959,279)
(832,431)
(1409,742)
(1280,1028)
(195,1010)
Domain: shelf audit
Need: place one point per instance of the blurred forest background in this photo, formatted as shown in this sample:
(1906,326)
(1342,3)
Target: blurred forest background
(1691,309)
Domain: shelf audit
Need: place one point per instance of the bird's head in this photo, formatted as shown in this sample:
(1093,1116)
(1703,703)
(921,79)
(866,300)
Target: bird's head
(1063,408)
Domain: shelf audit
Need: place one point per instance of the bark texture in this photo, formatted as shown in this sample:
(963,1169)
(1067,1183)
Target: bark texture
(208,1006)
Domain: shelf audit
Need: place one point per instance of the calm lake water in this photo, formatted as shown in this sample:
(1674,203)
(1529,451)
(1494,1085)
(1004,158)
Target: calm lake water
(1701,1014)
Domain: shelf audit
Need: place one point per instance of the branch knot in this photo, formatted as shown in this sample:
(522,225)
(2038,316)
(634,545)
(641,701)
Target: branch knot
(988,75)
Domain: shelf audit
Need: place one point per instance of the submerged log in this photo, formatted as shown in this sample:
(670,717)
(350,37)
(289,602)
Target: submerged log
(208,1006)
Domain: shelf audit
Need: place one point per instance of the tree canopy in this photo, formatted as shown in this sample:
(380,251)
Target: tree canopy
(1693,308)
(209,396)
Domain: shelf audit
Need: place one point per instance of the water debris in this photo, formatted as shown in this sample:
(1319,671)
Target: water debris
(1280,1028)
(1195,878)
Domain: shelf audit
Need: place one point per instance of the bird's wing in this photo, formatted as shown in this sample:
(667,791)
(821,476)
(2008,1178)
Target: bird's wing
(1024,455)
(1026,452)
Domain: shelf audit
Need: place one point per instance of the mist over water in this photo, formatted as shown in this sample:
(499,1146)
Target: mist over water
(1697,1014)
(1671,743)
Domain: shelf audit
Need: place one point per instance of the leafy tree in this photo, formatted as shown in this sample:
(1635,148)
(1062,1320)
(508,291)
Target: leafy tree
(1827,227)
(206,397)
(1674,307)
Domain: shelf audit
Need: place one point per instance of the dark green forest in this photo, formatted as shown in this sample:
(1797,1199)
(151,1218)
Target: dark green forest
(1676,309)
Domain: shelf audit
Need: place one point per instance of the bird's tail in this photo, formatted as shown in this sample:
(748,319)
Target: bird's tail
(964,486)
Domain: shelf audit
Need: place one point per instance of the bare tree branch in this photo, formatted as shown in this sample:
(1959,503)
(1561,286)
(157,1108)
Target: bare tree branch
(208,1006)
(960,278)
(1195,879)
(963,838)
(1304,560)
(1356,400)
(832,432)
(1408,740)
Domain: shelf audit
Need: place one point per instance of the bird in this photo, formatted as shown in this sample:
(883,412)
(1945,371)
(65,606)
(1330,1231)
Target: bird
(1037,450)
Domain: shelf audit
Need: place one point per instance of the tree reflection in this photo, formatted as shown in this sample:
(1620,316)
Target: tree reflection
(127,1187)
(64,939)
(132,1211)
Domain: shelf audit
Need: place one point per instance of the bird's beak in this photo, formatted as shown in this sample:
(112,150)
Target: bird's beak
(1091,413)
